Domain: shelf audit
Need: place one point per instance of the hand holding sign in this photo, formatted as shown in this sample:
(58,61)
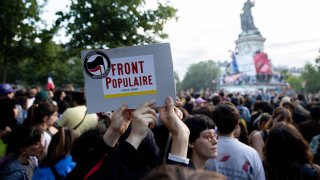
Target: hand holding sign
(171,116)
(143,117)
(180,132)
(119,124)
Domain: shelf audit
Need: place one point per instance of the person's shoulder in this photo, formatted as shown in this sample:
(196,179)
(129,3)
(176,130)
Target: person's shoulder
(12,170)
(246,148)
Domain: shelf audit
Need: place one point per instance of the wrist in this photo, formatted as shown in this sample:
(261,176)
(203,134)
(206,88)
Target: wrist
(134,140)
(179,145)
(111,137)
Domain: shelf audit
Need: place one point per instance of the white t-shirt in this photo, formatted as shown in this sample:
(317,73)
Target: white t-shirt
(236,160)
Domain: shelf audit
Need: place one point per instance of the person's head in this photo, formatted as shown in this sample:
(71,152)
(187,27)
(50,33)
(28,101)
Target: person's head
(235,101)
(42,114)
(25,141)
(263,120)
(315,113)
(301,97)
(6,90)
(221,94)
(263,107)
(32,92)
(177,172)
(203,138)
(285,150)
(241,100)
(226,116)
(78,98)
(8,113)
(216,99)
(42,97)
(200,102)
(60,145)
(280,115)
(87,141)
(59,94)
(188,99)
(289,106)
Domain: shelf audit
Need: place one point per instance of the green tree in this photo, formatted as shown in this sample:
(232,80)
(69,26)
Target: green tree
(311,76)
(295,82)
(200,75)
(18,31)
(113,23)
(176,80)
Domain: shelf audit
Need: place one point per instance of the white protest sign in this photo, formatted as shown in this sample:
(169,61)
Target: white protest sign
(131,75)
(246,64)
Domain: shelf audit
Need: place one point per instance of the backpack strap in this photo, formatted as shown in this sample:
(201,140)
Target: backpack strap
(94,168)
(80,121)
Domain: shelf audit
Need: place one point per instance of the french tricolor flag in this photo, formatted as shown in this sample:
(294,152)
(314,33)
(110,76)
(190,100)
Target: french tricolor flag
(50,84)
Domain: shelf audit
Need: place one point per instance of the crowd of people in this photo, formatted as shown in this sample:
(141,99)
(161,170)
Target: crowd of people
(219,135)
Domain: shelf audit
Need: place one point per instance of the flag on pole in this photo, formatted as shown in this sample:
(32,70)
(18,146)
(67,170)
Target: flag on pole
(50,84)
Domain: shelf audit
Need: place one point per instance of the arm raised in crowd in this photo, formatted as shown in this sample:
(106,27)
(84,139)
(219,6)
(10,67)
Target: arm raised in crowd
(142,118)
(119,124)
(125,162)
(169,116)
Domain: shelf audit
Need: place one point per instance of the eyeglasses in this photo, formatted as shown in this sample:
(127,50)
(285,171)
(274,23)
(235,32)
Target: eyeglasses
(210,137)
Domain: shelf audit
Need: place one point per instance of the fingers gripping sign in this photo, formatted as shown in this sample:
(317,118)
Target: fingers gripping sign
(142,118)
(171,116)
(120,120)
(119,124)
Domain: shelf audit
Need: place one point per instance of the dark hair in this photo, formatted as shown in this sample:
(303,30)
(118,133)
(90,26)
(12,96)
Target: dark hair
(300,97)
(22,137)
(235,101)
(188,98)
(37,113)
(85,142)
(315,113)
(196,124)
(60,146)
(7,118)
(79,98)
(216,100)
(263,106)
(203,111)
(226,116)
(281,114)
(285,151)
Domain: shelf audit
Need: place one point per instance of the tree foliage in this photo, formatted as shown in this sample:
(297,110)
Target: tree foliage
(113,23)
(200,75)
(28,54)
(311,76)
(18,31)
(295,82)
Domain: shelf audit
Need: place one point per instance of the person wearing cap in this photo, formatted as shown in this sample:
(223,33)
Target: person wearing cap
(6,90)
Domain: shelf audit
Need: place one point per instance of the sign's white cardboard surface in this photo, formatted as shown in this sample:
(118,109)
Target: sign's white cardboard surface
(131,75)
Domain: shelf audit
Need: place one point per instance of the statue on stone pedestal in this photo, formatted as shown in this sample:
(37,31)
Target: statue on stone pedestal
(246,17)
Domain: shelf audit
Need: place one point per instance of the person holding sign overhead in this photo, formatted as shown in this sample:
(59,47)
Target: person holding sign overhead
(123,162)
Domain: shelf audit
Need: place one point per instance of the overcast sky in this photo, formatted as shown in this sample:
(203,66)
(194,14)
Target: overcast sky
(207,29)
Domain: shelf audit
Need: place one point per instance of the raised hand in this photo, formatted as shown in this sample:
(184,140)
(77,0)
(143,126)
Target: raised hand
(119,124)
(171,116)
(120,120)
(142,118)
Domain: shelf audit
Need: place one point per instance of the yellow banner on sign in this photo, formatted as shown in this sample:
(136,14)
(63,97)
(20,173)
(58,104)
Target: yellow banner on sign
(130,94)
